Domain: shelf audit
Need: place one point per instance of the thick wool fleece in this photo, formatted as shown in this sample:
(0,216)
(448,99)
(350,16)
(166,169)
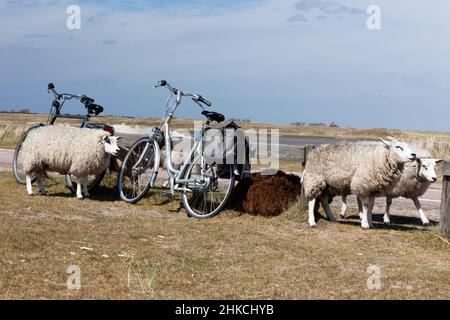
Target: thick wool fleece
(65,149)
(350,168)
(410,185)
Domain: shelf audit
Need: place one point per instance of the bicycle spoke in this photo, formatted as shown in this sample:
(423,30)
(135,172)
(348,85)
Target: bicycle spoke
(208,199)
(136,171)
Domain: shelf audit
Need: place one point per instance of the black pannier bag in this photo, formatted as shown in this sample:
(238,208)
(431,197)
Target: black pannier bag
(227,145)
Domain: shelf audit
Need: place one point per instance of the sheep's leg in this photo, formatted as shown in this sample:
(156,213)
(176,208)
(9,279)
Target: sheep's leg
(29,186)
(344,207)
(419,208)
(79,194)
(369,213)
(311,220)
(326,208)
(360,207)
(41,186)
(386,218)
(84,181)
(316,207)
(365,207)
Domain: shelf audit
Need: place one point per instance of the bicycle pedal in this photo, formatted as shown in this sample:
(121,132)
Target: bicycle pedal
(167,194)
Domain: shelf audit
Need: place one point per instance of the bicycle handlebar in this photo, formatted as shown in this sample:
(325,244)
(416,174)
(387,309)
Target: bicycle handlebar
(51,88)
(195,97)
(85,100)
(204,101)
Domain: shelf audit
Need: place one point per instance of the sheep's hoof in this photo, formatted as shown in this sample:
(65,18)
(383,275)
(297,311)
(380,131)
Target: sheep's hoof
(43,193)
(365,226)
(386,220)
(426,223)
(332,219)
(312,224)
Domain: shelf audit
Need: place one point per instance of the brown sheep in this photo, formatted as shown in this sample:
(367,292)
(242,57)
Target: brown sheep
(266,195)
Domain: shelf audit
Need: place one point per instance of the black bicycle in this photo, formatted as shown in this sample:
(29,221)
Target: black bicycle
(92,109)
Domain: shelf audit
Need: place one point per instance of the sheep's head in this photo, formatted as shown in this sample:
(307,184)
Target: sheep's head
(401,150)
(111,144)
(427,169)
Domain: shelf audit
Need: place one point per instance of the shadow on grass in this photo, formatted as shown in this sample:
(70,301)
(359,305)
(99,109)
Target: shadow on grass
(398,223)
(100,194)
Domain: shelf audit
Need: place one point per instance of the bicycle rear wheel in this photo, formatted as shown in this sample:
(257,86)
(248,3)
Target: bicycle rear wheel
(18,173)
(137,170)
(209,193)
(93,182)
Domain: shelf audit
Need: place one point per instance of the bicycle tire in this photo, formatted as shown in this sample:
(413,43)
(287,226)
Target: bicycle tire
(123,169)
(92,187)
(217,210)
(17,150)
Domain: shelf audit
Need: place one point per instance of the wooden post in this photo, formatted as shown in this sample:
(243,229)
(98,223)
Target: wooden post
(444,221)
(306,150)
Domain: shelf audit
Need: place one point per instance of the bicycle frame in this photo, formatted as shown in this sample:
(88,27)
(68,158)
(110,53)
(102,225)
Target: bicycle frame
(174,174)
(58,103)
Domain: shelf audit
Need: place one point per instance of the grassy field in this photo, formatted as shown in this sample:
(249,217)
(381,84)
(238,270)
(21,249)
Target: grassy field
(153,251)
(13,125)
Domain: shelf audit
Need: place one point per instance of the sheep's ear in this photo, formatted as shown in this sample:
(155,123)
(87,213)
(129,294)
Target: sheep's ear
(118,138)
(386,143)
(438,160)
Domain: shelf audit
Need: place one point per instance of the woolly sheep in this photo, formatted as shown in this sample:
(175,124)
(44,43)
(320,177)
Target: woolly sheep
(416,177)
(349,168)
(64,149)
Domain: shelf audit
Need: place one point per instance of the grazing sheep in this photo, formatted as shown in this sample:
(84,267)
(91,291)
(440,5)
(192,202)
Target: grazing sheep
(349,168)
(64,149)
(266,195)
(416,177)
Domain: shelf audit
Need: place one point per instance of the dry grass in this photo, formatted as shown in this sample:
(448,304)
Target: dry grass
(151,251)
(11,125)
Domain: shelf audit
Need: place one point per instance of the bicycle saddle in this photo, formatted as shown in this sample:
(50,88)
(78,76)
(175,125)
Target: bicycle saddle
(213,116)
(94,109)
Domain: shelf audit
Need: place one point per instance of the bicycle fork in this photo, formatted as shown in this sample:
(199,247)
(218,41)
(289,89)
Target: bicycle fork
(155,157)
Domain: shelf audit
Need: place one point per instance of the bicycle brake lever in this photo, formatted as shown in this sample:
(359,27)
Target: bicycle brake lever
(199,104)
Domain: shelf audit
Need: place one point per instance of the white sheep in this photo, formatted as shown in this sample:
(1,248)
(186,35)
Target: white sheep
(416,177)
(64,149)
(349,168)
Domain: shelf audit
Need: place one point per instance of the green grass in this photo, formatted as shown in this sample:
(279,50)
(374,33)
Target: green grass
(152,251)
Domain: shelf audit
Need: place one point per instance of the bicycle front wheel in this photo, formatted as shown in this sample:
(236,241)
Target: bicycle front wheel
(137,170)
(208,192)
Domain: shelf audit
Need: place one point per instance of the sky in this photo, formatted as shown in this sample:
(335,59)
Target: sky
(278,61)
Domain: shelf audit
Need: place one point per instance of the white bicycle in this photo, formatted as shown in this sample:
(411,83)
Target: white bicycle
(205,188)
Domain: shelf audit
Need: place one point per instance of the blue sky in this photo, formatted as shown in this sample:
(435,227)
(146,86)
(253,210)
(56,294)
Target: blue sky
(268,60)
